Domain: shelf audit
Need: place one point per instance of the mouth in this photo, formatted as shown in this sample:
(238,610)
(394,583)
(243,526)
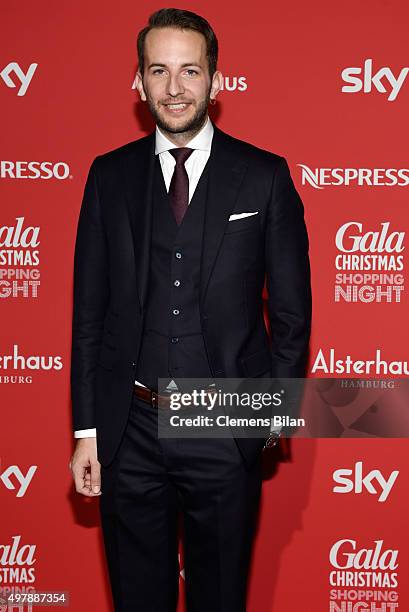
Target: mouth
(176,108)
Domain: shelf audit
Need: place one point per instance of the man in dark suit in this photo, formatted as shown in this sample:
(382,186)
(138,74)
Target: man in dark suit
(177,233)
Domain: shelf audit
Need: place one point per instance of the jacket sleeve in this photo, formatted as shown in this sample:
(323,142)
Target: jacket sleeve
(287,277)
(91,294)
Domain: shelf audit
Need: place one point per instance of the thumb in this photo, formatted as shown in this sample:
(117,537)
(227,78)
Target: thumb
(95,477)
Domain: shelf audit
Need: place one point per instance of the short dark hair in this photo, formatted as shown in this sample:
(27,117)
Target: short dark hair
(185,20)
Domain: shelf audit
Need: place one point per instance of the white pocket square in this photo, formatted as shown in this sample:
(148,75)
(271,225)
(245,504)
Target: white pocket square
(242,215)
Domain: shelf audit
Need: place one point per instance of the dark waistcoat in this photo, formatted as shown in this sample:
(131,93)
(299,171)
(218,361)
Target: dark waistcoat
(172,343)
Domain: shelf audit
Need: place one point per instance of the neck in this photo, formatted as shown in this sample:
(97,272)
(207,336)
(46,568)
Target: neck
(181,139)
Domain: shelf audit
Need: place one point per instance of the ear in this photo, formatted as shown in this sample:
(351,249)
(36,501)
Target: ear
(217,83)
(139,86)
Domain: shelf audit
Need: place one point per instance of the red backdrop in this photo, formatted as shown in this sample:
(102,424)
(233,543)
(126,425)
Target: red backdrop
(297,82)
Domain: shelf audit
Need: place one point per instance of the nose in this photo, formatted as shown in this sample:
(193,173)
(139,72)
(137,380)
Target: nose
(174,86)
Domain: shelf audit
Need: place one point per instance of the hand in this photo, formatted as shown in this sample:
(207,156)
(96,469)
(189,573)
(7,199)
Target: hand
(85,468)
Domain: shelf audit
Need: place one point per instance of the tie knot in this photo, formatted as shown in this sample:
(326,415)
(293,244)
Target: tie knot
(181,154)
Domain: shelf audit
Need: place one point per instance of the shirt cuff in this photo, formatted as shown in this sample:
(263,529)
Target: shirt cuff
(85,433)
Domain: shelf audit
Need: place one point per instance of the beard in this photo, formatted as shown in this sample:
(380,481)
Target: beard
(191,125)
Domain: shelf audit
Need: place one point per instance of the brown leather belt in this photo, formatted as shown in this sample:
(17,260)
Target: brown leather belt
(158,400)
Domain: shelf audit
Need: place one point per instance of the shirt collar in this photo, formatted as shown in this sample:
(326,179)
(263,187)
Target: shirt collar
(202,140)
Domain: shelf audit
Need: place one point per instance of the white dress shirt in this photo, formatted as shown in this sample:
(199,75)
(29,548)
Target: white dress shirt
(201,143)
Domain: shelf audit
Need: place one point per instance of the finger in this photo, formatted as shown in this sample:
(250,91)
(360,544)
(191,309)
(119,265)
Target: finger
(84,488)
(79,480)
(95,477)
(87,477)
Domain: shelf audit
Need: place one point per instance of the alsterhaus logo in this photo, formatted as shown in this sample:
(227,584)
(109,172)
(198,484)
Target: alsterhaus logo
(45,170)
(14,77)
(233,83)
(329,362)
(319,178)
(229,83)
(11,365)
(366,79)
(355,480)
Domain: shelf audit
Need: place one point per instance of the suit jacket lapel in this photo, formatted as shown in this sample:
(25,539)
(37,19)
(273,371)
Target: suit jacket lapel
(138,177)
(226,172)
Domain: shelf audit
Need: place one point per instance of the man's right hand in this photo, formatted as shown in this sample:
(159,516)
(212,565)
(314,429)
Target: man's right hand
(85,468)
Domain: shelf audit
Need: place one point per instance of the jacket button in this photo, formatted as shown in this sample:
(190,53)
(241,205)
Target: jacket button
(133,363)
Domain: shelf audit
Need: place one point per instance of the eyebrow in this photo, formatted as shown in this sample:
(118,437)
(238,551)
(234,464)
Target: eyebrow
(183,65)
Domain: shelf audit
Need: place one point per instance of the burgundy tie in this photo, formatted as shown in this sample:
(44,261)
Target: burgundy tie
(179,185)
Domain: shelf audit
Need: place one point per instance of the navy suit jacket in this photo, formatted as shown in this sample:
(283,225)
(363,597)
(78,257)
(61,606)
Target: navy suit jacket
(111,268)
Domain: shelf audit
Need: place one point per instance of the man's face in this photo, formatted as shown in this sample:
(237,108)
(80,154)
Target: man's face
(176,81)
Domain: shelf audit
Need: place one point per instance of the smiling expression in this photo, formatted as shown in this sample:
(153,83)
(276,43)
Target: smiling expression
(176,83)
